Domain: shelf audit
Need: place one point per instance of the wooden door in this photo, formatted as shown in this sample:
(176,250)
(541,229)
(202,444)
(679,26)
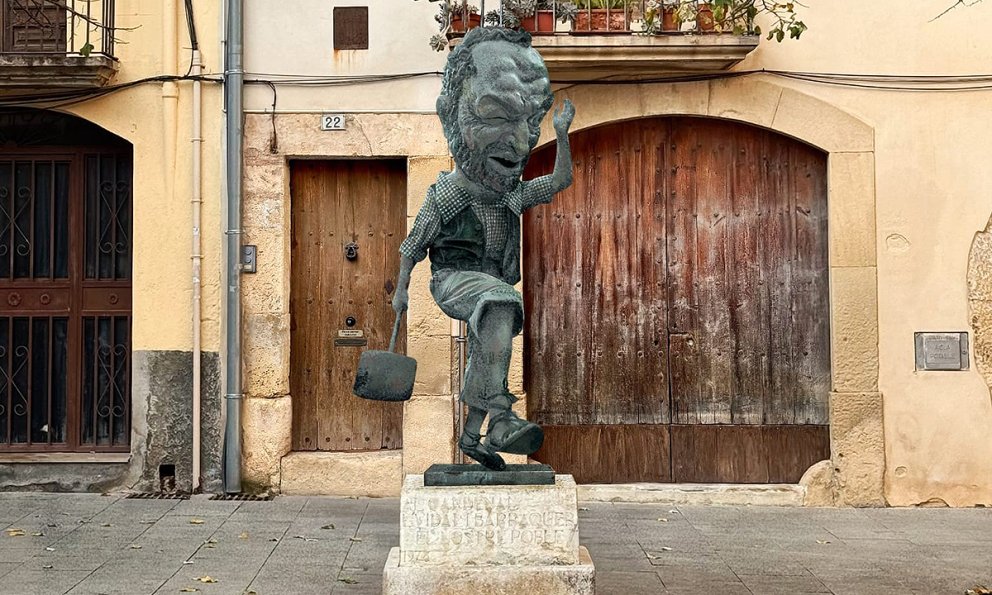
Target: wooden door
(677,314)
(339,306)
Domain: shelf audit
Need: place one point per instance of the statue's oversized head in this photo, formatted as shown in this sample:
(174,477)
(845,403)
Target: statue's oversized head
(494,95)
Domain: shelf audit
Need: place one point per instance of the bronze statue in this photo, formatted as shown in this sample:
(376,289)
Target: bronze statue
(495,93)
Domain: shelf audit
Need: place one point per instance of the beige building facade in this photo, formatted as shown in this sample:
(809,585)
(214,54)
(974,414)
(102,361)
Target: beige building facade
(908,205)
(130,359)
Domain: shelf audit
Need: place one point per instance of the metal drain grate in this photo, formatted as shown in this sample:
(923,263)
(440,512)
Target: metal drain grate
(242,497)
(157,496)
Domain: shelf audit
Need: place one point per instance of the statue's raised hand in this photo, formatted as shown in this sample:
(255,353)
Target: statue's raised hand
(562,117)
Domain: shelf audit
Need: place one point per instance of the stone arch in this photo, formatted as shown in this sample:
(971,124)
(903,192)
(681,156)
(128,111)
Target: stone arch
(854,474)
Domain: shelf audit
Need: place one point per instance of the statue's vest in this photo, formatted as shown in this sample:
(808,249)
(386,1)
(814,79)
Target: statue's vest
(461,245)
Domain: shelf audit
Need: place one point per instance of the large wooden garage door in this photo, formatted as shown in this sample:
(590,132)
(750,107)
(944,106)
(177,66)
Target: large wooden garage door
(677,305)
(341,305)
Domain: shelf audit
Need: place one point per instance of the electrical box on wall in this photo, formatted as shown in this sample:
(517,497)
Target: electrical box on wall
(942,351)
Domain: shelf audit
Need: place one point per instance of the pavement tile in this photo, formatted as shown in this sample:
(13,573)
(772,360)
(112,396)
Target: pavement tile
(628,583)
(696,584)
(280,547)
(768,584)
(41,582)
(847,582)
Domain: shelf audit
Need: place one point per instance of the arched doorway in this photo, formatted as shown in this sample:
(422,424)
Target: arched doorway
(65,284)
(677,305)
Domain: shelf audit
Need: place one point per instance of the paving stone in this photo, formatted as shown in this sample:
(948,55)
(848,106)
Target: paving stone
(41,582)
(713,549)
(632,583)
(767,584)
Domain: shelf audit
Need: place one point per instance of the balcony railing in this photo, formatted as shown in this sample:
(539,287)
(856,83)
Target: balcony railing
(646,17)
(56,43)
(57,27)
(589,39)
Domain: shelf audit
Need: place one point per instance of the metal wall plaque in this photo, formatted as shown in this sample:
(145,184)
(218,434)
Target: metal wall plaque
(942,351)
(350,342)
(351,333)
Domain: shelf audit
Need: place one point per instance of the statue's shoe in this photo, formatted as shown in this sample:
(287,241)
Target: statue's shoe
(508,433)
(481,452)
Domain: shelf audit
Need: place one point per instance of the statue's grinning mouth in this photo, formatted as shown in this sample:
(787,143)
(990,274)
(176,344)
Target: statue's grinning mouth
(507,163)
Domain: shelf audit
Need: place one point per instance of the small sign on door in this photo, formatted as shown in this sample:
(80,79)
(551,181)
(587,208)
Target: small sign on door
(332,122)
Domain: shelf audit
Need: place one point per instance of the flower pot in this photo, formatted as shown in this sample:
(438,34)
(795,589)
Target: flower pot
(596,20)
(704,17)
(458,25)
(669,19)
(543,23)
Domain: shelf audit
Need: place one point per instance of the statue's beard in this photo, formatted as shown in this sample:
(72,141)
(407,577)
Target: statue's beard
(473,163)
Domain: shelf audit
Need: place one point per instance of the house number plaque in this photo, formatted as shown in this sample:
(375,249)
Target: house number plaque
(942,351)
(332,122)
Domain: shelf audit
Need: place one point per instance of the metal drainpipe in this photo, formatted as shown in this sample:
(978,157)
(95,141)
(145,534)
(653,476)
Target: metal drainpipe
(196,204)
(234,104)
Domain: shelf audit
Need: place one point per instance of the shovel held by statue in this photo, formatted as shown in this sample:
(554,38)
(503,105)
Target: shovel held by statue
(384,375)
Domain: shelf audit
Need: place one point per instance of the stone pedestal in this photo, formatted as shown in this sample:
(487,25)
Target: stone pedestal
(489,540)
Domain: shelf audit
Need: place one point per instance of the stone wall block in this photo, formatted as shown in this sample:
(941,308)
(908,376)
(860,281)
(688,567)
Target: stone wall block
(752,101)
(424,317)
(428,432)
(980,266)
(266,437)
(981,328)
(421,173)
(854,332)
(515,378)
(268,289)
(819,484)
(857,448)
(266,355)
(822,125)
(375,474)
(851,205)
(433,355)
(366,135)
(265,204)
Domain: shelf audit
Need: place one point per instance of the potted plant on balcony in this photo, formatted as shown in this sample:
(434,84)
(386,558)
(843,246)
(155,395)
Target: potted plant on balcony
(454,19)
(661,17)
(534,16)
(601,16)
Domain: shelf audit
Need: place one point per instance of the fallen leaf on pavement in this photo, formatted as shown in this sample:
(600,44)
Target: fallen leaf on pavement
(583,508)
(328,526)
(147,522)
(244,535)
(305,538)
(135,546)
(206,579)
(273,539)
(347,580)
(187,561)
(48,567)
(189,590)
(822,541)
(106,525)
(196,521)
(15,532)
(49,549)
(38,534)
(673,511)
(354,539)
(979,590)
(662,520)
